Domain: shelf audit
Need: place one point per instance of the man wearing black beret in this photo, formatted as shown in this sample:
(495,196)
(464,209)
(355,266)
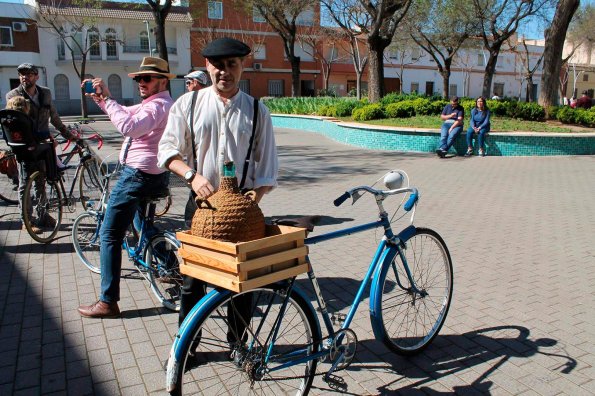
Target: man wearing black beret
(213,126)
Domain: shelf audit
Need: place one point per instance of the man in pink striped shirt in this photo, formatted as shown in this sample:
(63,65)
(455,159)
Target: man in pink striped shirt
(141,126)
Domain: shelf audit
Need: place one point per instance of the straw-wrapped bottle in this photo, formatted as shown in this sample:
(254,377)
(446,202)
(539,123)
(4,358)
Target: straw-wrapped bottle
(228,215)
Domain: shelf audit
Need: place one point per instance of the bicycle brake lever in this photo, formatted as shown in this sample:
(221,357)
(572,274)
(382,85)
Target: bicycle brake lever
(356,195)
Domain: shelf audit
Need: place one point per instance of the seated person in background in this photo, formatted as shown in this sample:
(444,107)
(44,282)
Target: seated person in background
(452,115)
(584,101)
(573,102)
(19,103)
(480,124)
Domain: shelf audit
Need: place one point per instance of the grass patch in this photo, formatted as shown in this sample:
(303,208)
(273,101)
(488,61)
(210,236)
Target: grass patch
(499,124)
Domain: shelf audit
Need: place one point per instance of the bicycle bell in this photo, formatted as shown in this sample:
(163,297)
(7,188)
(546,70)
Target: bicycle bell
(394,179)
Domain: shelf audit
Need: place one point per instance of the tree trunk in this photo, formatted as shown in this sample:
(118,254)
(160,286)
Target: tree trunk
(490,69)
(295,76)
(555,36)
(375,71)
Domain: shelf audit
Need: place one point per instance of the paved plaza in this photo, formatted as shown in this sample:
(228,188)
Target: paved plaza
(521,233)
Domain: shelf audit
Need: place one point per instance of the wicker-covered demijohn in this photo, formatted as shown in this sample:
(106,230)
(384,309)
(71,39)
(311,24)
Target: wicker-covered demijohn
(228,215)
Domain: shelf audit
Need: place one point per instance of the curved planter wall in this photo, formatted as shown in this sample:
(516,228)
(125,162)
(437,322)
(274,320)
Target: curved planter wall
(426,140)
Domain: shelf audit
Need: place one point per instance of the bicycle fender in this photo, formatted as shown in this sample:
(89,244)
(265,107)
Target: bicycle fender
(171,234)
(377,288)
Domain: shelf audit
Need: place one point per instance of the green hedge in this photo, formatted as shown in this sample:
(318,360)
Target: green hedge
(368,112)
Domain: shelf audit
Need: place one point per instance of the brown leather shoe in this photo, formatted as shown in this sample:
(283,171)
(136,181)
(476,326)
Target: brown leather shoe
(100,309)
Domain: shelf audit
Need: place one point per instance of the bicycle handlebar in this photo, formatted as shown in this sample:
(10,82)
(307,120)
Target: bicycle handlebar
(413,198)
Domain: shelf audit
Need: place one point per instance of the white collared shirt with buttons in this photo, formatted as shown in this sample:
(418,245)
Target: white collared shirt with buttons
(222,133)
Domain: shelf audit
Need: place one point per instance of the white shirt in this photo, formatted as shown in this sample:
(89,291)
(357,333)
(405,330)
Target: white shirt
(221,133)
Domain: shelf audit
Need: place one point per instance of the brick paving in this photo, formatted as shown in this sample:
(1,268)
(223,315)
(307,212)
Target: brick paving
(520,232)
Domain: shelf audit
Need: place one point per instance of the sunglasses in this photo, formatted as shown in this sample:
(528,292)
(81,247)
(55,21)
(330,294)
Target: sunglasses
(146,79)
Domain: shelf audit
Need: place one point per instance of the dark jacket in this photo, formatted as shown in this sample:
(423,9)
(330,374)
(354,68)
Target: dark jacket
(43,114)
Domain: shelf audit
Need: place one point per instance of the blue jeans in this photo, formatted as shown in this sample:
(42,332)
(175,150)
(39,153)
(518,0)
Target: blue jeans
(124,203)
(448,139)
(481,137)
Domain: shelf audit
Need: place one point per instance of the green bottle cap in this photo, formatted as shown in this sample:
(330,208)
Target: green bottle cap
(229,169)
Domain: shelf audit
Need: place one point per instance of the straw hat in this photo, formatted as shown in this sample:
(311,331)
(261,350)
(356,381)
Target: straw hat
(151,65)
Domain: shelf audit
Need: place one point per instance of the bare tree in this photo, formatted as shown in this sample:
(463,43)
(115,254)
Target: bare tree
(377,22)
(466,60)
(77,33)
(499,20)
(555,36)
(440,29)
(323,43)
(526,67)
(285,18)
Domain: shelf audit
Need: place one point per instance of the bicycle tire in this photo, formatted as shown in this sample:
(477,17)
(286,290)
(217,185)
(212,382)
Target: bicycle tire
(220,366)
(91,184)
(164,274)
(9,183)
(163,206)
(85,238)
(405,322)
(35,210)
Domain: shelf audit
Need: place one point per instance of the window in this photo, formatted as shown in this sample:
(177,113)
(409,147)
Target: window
(94,44)
(260,51)
(415,54)
(452,90)
(333,54)
(61,46)
(77,45)
(305,53)
(414,87)
(429,88)
(61,89)
(6,36)
(215,9)
(257,16)
(276,88)
(245,86)
(111,48)
(114,83)
(499,89)
(480,60)
(585,77)
(305,18)
(144,41)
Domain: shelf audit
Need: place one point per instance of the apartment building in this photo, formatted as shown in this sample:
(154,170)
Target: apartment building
(579,72)
(123,34)
(267,71)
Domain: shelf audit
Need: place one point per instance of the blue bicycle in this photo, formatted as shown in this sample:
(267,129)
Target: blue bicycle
(269,340)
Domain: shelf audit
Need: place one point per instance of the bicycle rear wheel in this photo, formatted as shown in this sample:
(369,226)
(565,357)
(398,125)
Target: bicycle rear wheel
(408,321)
(230,342)
(42,208)
(90,183)
(85,238)
(164,274)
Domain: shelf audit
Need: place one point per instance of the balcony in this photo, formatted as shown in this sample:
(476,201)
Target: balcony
(139,49)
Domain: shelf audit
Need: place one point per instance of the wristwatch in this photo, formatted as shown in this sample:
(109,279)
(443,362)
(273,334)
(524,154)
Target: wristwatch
(189,176)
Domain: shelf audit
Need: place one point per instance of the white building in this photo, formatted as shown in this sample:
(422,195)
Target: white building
(421,73)
(124,36)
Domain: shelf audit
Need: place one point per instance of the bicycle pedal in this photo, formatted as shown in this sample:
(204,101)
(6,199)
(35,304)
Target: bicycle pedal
(335,382)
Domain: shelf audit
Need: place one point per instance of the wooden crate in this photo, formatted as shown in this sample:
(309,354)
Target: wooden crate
(245,265)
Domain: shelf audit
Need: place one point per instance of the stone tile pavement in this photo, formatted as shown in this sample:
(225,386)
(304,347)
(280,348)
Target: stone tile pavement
(520,232)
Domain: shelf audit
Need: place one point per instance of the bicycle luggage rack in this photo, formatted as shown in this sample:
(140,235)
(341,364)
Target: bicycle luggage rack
(245,265)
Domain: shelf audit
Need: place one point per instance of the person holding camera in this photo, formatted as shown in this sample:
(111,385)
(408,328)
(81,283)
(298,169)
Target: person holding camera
(141,126)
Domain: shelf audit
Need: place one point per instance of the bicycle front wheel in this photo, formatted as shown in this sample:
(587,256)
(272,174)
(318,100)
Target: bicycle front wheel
(85,238)
(164,270)
(227,354)
(42,208)
(90,183)
(409,321)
